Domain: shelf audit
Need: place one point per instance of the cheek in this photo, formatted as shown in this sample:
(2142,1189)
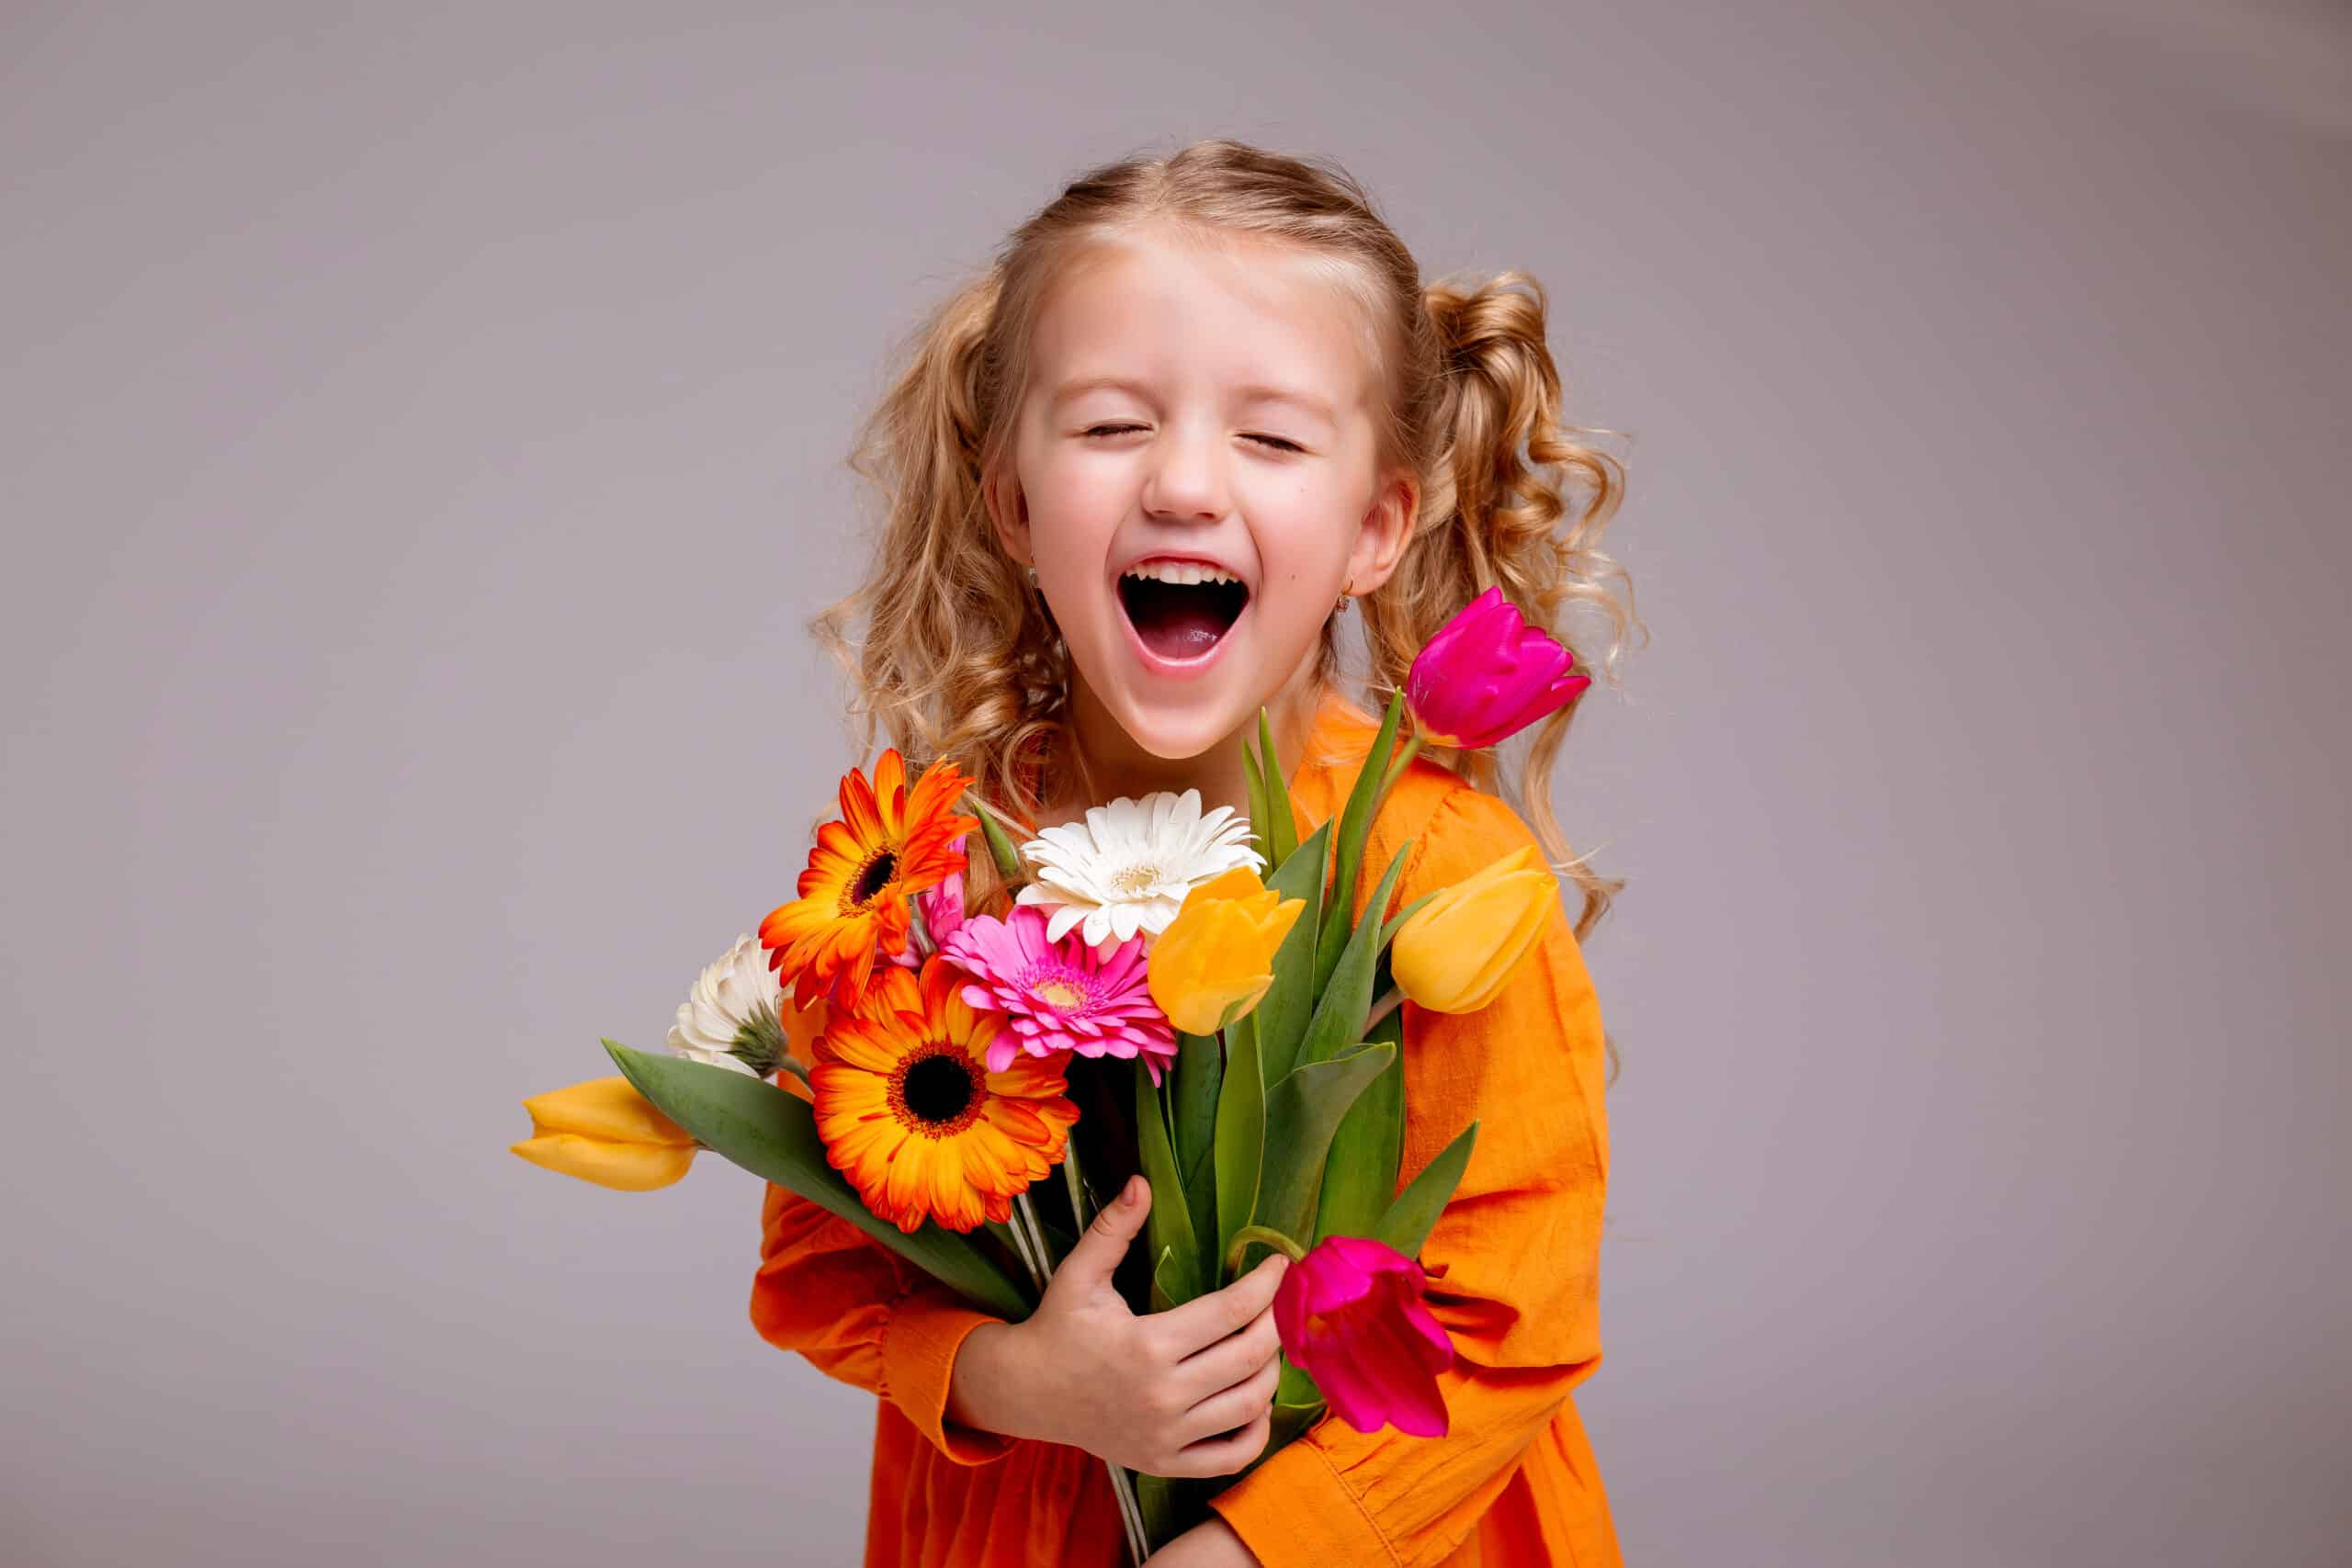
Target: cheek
(1304,539)
(1073,501)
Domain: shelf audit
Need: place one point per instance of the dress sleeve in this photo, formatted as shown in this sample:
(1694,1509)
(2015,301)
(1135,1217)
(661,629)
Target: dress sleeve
(866,1316)
(1518,1243)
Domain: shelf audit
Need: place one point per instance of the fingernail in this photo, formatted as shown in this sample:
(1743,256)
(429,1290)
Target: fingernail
(1132,1193)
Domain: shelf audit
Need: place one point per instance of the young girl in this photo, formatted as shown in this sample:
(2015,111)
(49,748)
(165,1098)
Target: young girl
(1137,475)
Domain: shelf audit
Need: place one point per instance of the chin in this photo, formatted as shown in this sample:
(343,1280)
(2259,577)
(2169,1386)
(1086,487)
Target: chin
(1172,731)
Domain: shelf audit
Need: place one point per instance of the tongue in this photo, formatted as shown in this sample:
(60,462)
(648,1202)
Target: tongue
(1180,629)
(1178,620)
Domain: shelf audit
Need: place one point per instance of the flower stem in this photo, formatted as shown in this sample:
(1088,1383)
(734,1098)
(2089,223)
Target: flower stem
(1130,1511)
(1274,1238)
(1025,1214)
(1019,1237)
(1389,1003)
(1404,755)
(1078,1216)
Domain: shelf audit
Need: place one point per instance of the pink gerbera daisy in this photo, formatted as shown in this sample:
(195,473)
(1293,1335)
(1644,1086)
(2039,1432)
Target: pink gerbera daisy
(1060,995)
(940,909)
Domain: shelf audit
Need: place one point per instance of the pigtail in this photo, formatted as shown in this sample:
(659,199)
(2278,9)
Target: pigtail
(1501,460)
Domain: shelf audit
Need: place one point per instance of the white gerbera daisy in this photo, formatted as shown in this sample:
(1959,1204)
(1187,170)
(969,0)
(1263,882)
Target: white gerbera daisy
(1127,867)
(728,1020)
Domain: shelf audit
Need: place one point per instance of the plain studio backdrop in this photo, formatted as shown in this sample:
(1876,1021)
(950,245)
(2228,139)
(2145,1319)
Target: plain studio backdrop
(424,430)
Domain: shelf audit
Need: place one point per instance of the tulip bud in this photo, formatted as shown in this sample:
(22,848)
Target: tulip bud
(1218,953)
(604,1131)
(1350,1315)
(1456,951)
(1486,675)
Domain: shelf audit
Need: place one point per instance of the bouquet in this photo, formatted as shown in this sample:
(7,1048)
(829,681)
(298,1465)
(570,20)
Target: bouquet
(921,1051)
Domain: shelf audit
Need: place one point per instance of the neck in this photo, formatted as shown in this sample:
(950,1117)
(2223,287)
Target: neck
(1115,766)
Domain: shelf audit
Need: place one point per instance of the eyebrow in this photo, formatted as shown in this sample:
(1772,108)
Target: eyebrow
(1255,393)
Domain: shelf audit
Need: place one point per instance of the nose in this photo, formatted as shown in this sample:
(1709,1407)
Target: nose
(1186,478)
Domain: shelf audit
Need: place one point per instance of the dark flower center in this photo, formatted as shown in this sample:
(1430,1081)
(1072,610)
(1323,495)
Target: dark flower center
(938,1089)
(874,877)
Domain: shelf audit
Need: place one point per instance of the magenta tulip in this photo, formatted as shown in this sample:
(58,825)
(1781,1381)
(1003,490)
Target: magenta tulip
(1350,1317)
(1486,675)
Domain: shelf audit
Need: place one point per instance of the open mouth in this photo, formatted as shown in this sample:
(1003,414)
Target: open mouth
(1180,621)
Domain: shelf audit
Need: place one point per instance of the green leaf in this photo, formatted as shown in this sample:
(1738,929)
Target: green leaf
(1253,779)
(1282,826)
(1406,1223)
(1283,1013)
(1397,922)
(1355,826)
(1360,1176)
(1302,1113)
(774,1135)
(1347,998)
(1240,1138)
(1168,1228)
(1000,848)
(1160,1500)
(1200,1072)
(1164,1276)
(1299,1404)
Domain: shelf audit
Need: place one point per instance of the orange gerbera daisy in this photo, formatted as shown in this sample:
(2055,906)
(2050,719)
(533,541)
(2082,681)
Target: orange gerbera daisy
(888,842)
(912,1115)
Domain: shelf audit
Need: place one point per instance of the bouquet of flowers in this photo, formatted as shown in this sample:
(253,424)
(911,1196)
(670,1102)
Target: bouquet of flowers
(919,1049)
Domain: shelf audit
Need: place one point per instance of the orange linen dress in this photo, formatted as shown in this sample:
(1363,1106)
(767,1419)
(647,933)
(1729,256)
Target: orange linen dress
(1512,1484)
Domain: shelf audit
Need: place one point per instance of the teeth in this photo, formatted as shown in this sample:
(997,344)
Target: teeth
(1180,572)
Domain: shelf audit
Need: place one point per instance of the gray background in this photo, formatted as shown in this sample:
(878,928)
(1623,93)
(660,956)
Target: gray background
(422,432)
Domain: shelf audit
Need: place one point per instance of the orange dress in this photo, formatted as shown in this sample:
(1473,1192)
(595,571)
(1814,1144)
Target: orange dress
(1511,1483)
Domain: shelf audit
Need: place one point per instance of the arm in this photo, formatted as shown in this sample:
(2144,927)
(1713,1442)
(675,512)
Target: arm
(1520,1242)
(866,1316)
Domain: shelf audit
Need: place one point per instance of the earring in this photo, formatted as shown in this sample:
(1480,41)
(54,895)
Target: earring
(1346,597)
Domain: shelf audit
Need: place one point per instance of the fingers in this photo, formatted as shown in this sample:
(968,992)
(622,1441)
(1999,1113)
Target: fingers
(1205,1320)
(1235,1406)
(1223,1456)
(1231,1358)
(1097,1254)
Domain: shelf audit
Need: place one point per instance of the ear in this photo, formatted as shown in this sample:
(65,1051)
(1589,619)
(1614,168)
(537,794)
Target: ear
(1387,529)
(1009,512)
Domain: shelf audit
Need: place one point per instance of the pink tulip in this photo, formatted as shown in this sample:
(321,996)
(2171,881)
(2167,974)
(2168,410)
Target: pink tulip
(1486,675)
(1350,1317)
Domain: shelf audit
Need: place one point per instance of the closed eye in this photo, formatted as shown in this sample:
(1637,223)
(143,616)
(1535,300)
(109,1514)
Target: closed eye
(1274,443)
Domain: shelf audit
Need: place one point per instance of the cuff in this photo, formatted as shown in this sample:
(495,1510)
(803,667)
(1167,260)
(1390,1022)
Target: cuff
(919,1346)
(1294,1508)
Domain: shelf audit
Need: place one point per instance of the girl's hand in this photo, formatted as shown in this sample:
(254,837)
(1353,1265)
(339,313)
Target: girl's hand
(1182,1392)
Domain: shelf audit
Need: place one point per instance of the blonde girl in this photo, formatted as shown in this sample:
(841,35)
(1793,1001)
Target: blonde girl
(1132,480)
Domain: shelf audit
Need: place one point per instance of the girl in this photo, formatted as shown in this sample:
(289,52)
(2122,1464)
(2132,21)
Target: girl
(1136,474)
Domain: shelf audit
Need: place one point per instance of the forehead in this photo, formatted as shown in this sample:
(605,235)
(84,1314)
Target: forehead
(1241,313)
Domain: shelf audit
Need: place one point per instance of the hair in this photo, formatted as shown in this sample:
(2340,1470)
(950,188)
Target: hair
(961,657)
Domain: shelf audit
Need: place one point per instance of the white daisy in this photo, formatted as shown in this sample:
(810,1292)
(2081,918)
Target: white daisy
(728,1020)
(1127,867)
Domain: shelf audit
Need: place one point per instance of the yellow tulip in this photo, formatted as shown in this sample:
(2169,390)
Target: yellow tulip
(1455,951)
(604,1131)
(1218,953)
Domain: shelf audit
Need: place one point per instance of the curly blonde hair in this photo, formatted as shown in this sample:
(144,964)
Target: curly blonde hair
(960,657)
